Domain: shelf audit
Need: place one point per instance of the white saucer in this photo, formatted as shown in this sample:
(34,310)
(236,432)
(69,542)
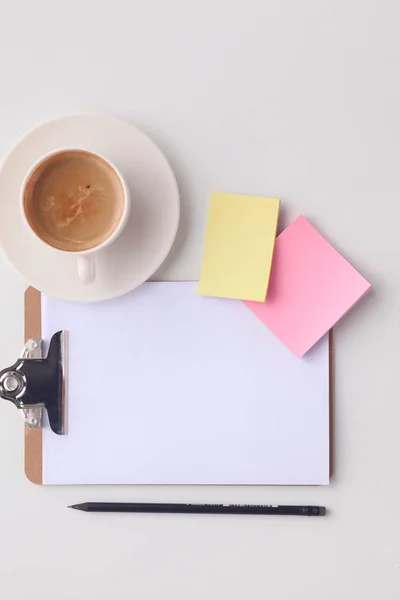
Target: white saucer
(148,236)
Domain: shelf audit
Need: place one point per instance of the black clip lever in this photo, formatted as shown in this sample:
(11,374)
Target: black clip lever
(35,383)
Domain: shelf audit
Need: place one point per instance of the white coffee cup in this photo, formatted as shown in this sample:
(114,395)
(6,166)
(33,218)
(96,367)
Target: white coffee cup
(85,258)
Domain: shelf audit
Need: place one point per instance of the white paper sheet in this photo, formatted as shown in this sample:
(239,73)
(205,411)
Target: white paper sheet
(169,387)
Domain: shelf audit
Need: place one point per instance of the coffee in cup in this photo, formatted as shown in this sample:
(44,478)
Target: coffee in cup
(77,202)
(74,200)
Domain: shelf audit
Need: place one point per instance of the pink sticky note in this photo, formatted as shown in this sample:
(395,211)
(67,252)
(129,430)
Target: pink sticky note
(311,287)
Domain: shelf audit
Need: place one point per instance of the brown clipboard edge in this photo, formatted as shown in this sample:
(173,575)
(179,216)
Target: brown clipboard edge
(331,404)
(33,453)
(34,437)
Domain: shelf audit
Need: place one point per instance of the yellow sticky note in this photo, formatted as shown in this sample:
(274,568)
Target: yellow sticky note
(240,240)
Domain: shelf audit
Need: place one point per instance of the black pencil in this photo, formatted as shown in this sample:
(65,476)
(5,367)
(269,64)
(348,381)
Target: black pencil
(207,509)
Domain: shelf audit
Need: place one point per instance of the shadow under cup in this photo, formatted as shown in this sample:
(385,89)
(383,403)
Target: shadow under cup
(74,200)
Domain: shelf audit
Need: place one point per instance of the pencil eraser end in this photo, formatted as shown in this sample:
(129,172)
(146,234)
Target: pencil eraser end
(322,511)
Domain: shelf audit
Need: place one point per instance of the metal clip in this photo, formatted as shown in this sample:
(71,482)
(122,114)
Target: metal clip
(35,383)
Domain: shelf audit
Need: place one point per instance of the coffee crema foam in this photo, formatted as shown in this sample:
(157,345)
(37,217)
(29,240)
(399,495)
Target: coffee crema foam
(74,200)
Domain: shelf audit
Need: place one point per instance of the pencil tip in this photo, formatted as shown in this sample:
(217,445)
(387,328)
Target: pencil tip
(76,506)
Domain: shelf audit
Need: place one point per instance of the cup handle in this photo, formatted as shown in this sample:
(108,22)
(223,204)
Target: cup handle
(86,268)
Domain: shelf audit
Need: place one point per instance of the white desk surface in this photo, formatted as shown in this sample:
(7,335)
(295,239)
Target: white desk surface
(299,100)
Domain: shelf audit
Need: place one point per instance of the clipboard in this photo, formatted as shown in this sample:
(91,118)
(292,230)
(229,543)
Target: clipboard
(33,438)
